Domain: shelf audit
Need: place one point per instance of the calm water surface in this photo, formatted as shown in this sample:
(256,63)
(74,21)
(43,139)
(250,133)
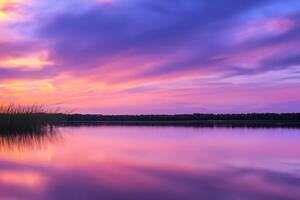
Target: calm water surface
(159,163)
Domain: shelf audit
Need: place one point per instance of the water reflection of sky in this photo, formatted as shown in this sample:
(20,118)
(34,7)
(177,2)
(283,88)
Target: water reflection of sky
(156,163)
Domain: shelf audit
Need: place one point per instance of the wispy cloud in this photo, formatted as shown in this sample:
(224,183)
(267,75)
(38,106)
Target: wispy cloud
(144,56)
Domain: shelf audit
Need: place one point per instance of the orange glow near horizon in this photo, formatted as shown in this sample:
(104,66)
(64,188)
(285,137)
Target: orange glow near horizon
(104,58)
(7,8)
(31,62)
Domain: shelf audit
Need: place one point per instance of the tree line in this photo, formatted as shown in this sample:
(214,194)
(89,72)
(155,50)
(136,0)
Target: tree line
(184,117)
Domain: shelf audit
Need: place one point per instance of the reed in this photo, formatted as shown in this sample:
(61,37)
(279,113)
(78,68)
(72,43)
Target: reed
(26,119)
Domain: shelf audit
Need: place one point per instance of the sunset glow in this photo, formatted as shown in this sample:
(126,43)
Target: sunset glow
(145,56)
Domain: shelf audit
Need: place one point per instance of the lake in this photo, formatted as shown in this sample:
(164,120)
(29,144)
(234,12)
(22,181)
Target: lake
(149,162)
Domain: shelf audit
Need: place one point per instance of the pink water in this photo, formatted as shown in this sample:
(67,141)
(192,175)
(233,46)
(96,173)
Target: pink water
(159,163)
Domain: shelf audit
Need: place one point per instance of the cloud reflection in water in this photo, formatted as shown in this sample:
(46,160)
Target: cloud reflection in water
(113,163)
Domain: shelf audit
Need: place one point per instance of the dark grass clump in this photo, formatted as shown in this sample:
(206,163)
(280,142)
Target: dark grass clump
(26,119)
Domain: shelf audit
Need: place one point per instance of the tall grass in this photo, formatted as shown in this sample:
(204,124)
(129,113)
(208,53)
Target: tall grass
(26,119)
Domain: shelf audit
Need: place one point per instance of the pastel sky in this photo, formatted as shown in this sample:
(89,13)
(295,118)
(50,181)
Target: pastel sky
(151,56)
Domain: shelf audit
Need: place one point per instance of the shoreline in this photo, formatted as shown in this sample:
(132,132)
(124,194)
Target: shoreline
(193,123)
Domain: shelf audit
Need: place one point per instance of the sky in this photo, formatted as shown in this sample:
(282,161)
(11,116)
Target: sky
(151,56)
